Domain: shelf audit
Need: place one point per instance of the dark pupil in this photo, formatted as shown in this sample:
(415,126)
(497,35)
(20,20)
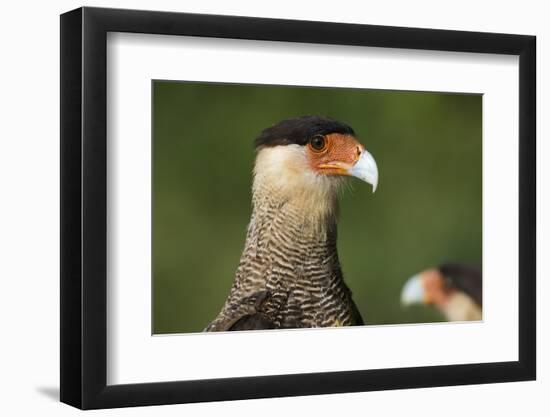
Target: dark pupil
(318,142)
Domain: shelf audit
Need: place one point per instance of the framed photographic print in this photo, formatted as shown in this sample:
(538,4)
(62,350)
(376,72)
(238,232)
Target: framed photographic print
(258,207)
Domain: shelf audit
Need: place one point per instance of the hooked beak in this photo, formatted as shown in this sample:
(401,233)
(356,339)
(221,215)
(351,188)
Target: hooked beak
(346,156)
(413,291)
(366,169)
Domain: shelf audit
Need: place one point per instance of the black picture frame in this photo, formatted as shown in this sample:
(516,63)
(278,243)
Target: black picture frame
(84,207)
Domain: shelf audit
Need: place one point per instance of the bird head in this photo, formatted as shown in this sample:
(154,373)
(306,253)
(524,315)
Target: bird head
(310,155)
(436,285)
(427,287)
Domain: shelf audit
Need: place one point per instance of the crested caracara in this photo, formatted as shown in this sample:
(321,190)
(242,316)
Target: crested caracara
(454,289)
(289,275)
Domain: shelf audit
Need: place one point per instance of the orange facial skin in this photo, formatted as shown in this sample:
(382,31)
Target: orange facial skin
(338,155)
(435,290)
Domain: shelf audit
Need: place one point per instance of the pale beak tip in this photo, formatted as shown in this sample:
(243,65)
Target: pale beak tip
(413,291)
(366,170)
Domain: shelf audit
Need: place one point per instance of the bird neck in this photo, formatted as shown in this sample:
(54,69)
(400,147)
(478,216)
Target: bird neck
(288,246)
(291,238)
(460,307)
(310,214)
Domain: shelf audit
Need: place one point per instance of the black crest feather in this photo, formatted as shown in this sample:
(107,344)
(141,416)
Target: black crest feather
(466,278)
(300,130)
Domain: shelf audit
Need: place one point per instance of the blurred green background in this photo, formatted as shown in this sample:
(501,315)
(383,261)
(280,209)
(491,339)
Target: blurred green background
(427,208)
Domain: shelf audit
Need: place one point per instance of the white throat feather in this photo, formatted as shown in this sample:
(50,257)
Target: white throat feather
(282,174)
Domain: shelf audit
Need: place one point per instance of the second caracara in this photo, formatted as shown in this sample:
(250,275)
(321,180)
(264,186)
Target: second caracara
(289,275)
(454,289)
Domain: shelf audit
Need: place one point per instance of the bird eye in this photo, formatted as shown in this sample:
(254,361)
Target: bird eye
(317,143)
